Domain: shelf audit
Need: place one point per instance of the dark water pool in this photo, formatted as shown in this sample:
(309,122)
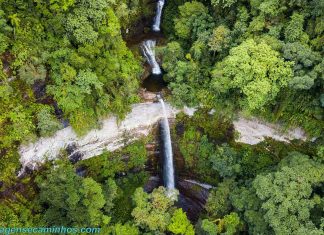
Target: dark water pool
(154,83)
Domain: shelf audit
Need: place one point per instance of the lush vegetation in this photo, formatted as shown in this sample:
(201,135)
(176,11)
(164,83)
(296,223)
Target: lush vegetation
(62,57)
(67,62)
(269,188)
(261,57)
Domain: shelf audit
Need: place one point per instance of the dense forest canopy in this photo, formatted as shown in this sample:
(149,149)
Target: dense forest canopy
(66,62)
(262,57)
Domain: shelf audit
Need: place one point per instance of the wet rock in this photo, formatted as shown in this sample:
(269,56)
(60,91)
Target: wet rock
(75,157)
(193,197)
(147,95)
(39,89)
(152,183)
(71,148)
(73,153)
(81,171)
(180,129)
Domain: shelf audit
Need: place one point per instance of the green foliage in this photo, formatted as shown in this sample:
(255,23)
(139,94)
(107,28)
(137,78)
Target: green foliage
(69,199)
(4,28)
(188,145)
(259,57)
(246,201)
(197,142)
(76,49)
(218,203)
(294,29)
(264,52)
(171,11)
(152,211)
(180,223)
(18,213)
(47,123)
(255,70)
(17,124)
(226,161)
(84,20)
(223,3)
(32,71)
(196,150)
(108,164)
(126,229)
(126,186)
(109,189)
(231,223)
(287,196)
(193,20)
(208,227)
(220,39)
(304,60)
(77,46)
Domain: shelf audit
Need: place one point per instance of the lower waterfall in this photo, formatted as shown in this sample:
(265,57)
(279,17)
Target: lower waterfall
(168,168)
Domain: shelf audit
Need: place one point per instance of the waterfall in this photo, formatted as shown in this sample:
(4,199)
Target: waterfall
(168,169)
(157,19)
(149,53)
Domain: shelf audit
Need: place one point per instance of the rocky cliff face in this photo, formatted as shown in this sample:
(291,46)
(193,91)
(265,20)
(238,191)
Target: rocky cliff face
(111,136)
(253,131)
(138,123)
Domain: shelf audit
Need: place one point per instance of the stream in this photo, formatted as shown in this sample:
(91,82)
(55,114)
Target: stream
(192,195)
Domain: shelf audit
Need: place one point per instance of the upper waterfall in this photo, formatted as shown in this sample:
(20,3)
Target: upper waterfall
(148,48)
(168,169)
(157,19)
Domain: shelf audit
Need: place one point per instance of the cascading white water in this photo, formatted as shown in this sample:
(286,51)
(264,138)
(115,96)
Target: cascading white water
(168,169)
(148,48)
(157,19)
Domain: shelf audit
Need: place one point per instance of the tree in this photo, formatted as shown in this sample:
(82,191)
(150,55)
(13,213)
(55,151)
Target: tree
(152,211)
(15,22)
(208,227)
(254,71)
(269,7)
(180,223)
(47,123)
(220,39)
(31,72)
(223,3)
(294,29)
(18,213)
(304,62)
(110,193)
(193,20)
(287,195)
(226,161)
(70,200)
(245,200)
(219,203)
(231,223)
(4,30)
(83,23)
(126,229)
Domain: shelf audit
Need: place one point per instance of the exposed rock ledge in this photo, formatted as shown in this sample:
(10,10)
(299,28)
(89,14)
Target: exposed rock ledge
(111,136)
(139,122)
(253,131)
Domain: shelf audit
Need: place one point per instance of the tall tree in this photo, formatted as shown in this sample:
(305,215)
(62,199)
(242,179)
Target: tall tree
(255,72)
(70,200)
